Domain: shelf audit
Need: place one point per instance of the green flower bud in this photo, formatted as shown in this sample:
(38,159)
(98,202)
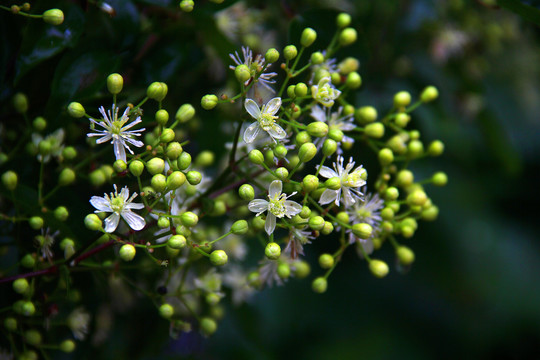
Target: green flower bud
(317,58)
(290,52)
(284,271)
(301,269)
(317,129)
(439,179)
(326,261)
(242,73)
(67,346)
(127,252)
(431,213)
(308,37)
(39,123)
(162,116)
(240,227)
(319,285)
(155,166)
(69,153)
(272,251)
(366,114)
(310,183)
(175,180)
(402,119)
(36,222)
(163,222)
(335,78)
(189,219)
(307,152)
(271,56)
(258,223)
(10,180)
(362,230)
(53,16)
(115,83)
(187,5)
(76,110)
(282,173)
(220,208)
(405,255)
(347,36)
(306,211)
(66,177)
(167,135)
(404,178)
(291,91)
(29,260)
(343,20)
(415,149)
(301,89)
(158,182)
(208,326)
(218,257)
(32,337)
(417,197)
(61,213)
(316,223)
(194,177)
(27,308)
(205,158)
(166,311)
(374,130)
(176,242)
(174,149)
(246,192)
(335,134)
(119,166)
(354,81)
(343,217)
(402,99)
(157,91)
(328,228)
(212,299)
(387,213)
(430,93)
(348,66)
(378,268)
(10,323)
(303,137)
(329,147)
(386,156)
(136,167)
(256,157)
(185,113)
(436,148)
(20,286)
(397,144)
(208,102)
(20,103)
(184,161)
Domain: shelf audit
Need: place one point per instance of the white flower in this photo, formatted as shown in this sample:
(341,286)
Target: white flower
(55,140)
(324,92)
(78,321)
(266,120)
(368,212)
(334,121)
(45,241)
(278,206)
(350,182)
(117,131)
(119,205)
(255,65)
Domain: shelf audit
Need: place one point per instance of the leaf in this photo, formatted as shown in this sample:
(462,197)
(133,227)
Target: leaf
(527,12)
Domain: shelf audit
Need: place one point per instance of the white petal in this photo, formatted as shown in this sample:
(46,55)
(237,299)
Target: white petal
(111,222)
(273,106)
(252,108)
(251,132)
(275,189)
(137,143)
(292,208)
(135,221)
(348,199)
(277,132)
(318,113)
(119,150)
(100,203)
(258,205)
(124,193)
(270,223)
(105,137)
(328,196)
(134,206)
(326,172)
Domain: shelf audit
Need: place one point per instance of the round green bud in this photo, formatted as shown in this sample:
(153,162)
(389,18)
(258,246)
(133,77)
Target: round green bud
(436,148)
(387,213)
(10,323)
(282,173)
(402,99)
(335,134)
(163,222)
(167,135)
(27,308)
(189,219)
(347,36)
(307,152)
(308,37)
(386,156)
(402,119)
(343,217)
(10,180)
(208,102)
(36,222)
(220,208)
(194,177)
(115,83)
(378,268)
(76,110)
(439,179)
(256,157)
(205,158)
(329,147)
(155,166)
(335,78)
(280,151)
(33,337)
(301,269)
(185,113)
(348,110)
(258,223)
(319,285)
(316,223)
(417,197)
(310,183)
(302,137)
(20,103)
(405,255)
(271,56)
(397,144)
(162,116)
(174,149)
(158,182)
(69,153)
(334,183)
(362,230)
(301,89)
(306,211)
(291,91)
(284,271)
(176,242)
(343,20)
(184,160)
(317,58)
(404,178)
(290,52)
(45,147)
(415,149)
(246,192)
(391,193)
(431,213)
(61,213)
(157,91)
(20,286)
(348,66)
(67,346)
(212,299)
(166,311)
(29,260)
(272,251)
(317,129)
(366,114)
(136,167)
(66,177)
(208,326)
(53,16)
(240,227)
(326,261)
(119,166)
(242,73)
(218,257)
(39,123)
(354,80)
(328,228)
(187,5)
(374,130)
(127,252)
(430,93)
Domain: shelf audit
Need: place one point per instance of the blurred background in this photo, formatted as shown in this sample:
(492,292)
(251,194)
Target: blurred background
(473,291)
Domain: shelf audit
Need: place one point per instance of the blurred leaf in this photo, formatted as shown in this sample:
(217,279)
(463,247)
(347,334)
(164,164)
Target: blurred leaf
(525,11)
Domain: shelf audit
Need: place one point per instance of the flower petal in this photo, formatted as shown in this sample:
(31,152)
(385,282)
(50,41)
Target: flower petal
(252,108)
(292,208)
(272,106)
(251,132)
(124,193)
(270,223)
(134,206)
(111,223)
(326,172)
(275,189)
(119,150)
(258,205)
(135,221)
(100,203)
(318,113)
(328,196)
(277,132)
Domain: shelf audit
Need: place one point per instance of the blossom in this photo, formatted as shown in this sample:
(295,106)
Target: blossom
(119,205)
(117,131)
(350,182)
(256,66)
(266,120)
(55,141)
(324,92)
(297,239)
(278,206)
(369,212)
(45,241)
(78,321)
(334,121)
(236,279)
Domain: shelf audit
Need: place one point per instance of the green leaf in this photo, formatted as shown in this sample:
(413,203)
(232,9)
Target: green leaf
(527,12)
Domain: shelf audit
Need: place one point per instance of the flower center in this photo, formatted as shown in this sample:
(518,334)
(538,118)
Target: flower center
(277,206)
(351,179)
(266,121)
(363,213)
(117,204)
(117,127)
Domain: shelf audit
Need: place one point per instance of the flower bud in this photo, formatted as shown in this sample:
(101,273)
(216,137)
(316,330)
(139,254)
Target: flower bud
(301,269)
(92,222)
(374,130)
(119,165)
(362,230)
(405,255)
(205,158)
(76,110)
(335,134)
(20,286)
(301,89)
(272,251)
(187,5)
(430,93)
(348,66)
(185,113)
(67,346)
(162,116)
(431,213)
(291,91)
(240,227)
(343,217)
(308,37)
(290,52)
(208,326)
(163,222)
(366,114)
(175,180)
(436,148)
(386,156)
(208,102)
(402,119)
(256,157)
(157,91)
(136,167)
(155,166)
(10,323)
(167,135)
(303,137)
(33,337)
(347,36)
(271,56)
(176,242)
(61,213)
(415,149)
(404,178)
(53,16)
(29,260)
(316,223)
(194,177)
(317,58)
(397,144)
(39,123)
(378,268)
(166,311)
(282,173)
(326,261)
(242,73)
(10,180)
(27,308)
(354,81)
(184,161)
(402,99)
(218,257)
(127,252)
(66,177)
(20,103)
(439,179)
(115,83)
(317,129)
(310,183)
(69,153)
(387,213)
(343,20)
(319,285)
(189,219)
(307,152)
(158,182)
(329,147)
